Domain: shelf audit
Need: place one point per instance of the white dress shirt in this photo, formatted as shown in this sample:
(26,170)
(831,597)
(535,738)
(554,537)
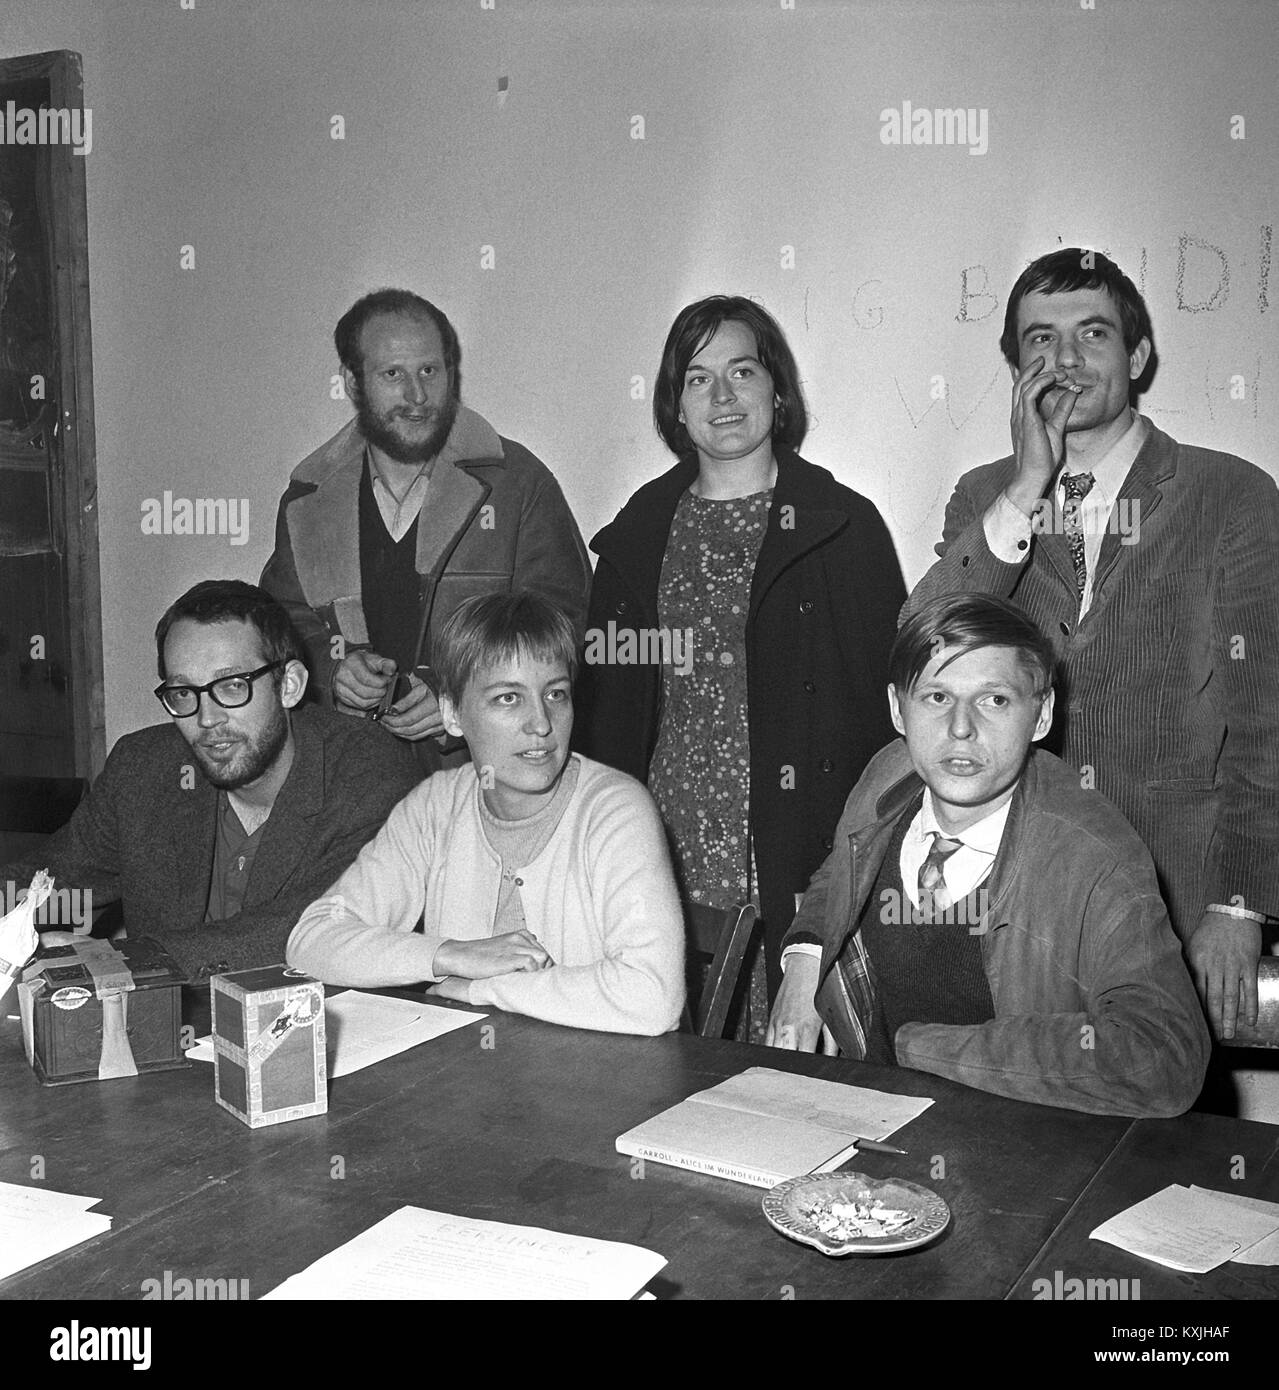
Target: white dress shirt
(965,870)
(399,515)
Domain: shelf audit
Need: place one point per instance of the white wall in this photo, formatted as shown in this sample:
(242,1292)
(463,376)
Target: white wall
(1108,127)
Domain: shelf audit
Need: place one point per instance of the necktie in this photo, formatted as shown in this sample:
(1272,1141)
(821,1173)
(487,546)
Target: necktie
(934,897)
(1078,486)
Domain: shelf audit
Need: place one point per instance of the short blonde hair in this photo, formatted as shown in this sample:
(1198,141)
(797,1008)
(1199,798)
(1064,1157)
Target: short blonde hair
(493,628)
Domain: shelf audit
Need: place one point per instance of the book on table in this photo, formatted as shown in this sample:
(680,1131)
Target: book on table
(764,1126)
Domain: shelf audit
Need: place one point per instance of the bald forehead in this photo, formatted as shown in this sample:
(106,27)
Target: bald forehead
(401,334)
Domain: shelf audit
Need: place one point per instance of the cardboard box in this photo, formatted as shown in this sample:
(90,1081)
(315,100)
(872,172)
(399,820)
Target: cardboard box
(268,1040)
(96,1010)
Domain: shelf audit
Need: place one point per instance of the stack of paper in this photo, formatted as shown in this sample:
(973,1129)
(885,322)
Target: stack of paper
(765,1126)
(428,1254)
(1195,1229)
(36,1223)
(366,1028)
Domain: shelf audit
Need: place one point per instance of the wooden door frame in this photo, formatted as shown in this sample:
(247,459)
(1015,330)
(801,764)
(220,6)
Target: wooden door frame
(75,476)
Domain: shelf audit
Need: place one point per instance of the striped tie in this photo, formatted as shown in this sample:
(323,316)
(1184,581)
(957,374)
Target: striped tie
(1078,486)
(934,897)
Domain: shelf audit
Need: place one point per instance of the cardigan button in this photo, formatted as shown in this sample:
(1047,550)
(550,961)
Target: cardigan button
(964,562)
(826,765)
(806,605)
(809,687)
(621,606)
(828,844)
(1065,629)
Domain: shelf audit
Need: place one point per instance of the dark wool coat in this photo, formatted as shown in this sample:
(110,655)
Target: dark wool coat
(823,613)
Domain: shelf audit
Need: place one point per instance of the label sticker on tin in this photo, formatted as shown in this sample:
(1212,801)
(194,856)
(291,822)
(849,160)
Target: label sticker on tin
(301,1008)
(71,997)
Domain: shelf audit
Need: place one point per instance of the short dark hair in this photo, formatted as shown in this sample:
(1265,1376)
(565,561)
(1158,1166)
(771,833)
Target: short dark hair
(693,328)
(1074,268)
(491,628)
(229,600)
(346,336)
(969,622)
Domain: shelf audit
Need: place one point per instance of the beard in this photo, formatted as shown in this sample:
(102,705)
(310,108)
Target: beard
(255,755)
(382,430)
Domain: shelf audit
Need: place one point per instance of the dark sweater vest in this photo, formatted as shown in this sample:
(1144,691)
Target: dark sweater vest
(924,973)
(390,586)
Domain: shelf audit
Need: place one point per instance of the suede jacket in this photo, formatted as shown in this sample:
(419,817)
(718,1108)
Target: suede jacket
(494,515)
(1094,1009)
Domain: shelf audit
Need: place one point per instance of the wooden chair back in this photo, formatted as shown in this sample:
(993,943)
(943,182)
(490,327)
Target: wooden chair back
(716,942)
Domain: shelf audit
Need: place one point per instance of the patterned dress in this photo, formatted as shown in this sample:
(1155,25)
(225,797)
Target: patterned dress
(700,770)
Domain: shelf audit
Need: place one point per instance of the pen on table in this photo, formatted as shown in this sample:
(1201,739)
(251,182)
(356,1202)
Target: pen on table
(875,1146)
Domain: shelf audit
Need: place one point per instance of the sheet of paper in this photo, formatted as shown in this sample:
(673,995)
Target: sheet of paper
(414,1253)
(35,1223)
(366,1028)
(18,936)
(1266,1250)
(807,1100)
(1187,1229)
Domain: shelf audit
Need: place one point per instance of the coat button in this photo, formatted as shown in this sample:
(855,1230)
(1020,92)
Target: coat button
(964,562)
(809,687)
(621,606)
(806,606)
(828,845)
(826,765)
(1065,629)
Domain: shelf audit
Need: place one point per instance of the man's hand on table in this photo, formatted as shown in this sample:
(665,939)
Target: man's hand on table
(1223,954)
(794,1022)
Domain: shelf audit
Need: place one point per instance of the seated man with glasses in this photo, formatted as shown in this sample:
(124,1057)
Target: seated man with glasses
(215,829)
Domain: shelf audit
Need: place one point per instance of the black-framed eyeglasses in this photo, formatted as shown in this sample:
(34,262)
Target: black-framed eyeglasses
(230,692)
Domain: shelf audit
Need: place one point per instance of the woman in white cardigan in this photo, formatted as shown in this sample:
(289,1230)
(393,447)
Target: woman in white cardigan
(541,879)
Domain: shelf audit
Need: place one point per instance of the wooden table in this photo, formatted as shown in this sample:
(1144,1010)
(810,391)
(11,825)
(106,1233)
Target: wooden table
(517,1124)
(1203,1150)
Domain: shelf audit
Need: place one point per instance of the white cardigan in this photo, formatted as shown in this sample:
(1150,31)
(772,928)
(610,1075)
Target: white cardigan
(600,897)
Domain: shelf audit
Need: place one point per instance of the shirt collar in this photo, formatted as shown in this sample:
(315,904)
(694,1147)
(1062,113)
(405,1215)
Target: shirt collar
(1111,470)
(984,835)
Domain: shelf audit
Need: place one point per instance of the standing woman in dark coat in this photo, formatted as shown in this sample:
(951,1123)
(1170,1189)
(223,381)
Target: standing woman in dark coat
(786,583)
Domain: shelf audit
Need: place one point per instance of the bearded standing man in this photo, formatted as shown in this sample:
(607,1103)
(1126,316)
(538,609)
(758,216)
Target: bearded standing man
(412,507)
